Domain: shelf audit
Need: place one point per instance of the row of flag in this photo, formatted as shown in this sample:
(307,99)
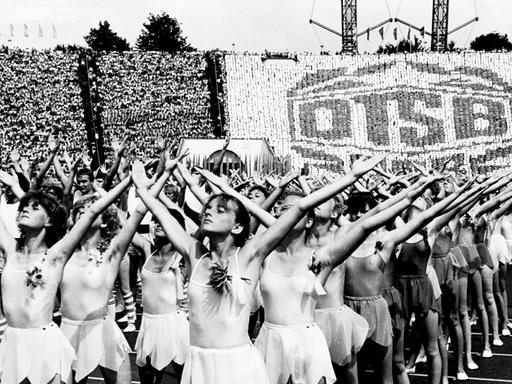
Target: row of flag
(395,33)
(40,31)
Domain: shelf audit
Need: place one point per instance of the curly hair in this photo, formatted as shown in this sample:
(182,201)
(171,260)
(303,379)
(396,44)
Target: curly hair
(57,228)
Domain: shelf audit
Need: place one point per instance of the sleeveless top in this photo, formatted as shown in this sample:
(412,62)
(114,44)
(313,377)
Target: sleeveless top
(219,320)
(482,231)
(162,290)
(443,242)
(85,290)
(28,299)
(364,274)
(289,300)
(335,288)
(413,258)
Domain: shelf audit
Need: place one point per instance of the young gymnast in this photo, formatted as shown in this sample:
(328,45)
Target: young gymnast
(222,283)
(34,349)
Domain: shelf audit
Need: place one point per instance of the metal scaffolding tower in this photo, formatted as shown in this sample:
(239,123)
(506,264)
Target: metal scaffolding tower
(349,25)
(439,26)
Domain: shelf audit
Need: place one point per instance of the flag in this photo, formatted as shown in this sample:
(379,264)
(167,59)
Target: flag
(368,34)
(381,31)
(409,34)
(422,32)
(54,32)
(395,33)
(25,30)
(12,30)
(41,31)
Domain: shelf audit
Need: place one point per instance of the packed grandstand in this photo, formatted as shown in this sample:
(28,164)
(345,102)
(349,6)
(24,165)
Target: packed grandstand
(316,109)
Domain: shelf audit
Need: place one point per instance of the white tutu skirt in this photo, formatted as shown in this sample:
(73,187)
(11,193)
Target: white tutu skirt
(97,342)
(163,338)
(299,351)
(238,365)
(345,332)
(36,354)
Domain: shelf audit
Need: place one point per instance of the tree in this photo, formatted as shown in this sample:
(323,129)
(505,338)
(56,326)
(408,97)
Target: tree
(68,48)
(491,42)
(104,39)
(162,33)
(403,46)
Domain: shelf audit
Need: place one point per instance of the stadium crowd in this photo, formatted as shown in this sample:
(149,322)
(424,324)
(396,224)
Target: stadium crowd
(274,278)
(39,97)
(153,94)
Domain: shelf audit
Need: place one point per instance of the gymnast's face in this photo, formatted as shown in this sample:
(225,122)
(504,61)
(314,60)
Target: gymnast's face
(256,196)
(33,216)
(218,217)
(157,228)
(325,211)
(288,202)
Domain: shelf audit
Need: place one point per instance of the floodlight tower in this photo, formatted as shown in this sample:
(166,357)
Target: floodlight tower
(439,42)
(349,26)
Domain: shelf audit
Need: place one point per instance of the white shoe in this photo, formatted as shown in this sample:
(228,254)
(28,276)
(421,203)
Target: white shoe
(509,324)
(505,332)
(487,353)
(472,366)
(130,328)
(497,343)
(421,359)
(123,319)
(461,376)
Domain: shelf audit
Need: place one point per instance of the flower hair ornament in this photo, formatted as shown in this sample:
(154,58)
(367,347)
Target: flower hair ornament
(35,277)
(316,265)
(96,256)
(314,285)
(219,280)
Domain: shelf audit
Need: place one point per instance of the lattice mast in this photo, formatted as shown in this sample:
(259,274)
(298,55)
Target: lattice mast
(439,41)
(349,25)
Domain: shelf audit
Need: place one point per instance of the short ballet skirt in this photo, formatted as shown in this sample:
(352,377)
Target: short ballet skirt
(163,338)
(345,332)
(417,295)
(471,256)
(97,342)
(37,354)
(375,310)
(236,365)
(395,308)
(458,260)
(296,351)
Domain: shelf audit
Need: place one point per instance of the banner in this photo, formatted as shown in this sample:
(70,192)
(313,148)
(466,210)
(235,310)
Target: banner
(427,107)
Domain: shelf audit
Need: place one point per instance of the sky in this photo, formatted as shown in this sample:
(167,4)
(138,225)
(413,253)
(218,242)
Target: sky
(240,25)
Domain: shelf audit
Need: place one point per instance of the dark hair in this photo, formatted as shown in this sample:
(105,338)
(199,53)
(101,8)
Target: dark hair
(100,175)
(259,188)
(85,172)
(241,215)
(56,213)
(58,192)
(110,223)
(357,201)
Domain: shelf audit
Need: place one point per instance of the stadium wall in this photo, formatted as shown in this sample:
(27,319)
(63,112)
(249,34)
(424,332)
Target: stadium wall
(326,109)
